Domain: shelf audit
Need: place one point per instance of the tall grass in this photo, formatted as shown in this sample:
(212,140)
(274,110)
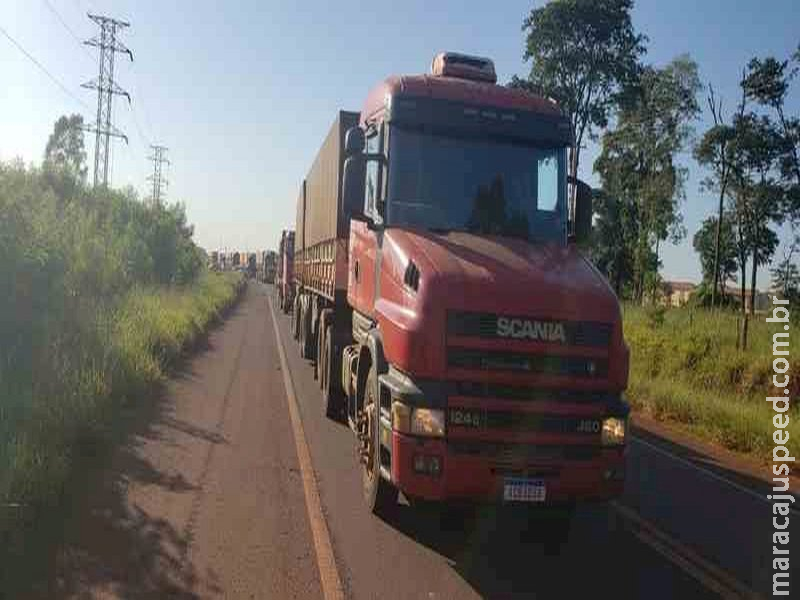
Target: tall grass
(98,294)
(685,367)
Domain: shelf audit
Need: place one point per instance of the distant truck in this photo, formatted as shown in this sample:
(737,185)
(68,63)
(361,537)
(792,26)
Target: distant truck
(252,269)
(284,281)
(453,323)
(270,266)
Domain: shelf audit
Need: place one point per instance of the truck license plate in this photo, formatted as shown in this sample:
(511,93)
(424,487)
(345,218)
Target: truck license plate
(519,489)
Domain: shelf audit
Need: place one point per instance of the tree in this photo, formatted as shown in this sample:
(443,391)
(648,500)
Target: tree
(613,238)
(758,199)
(786,275)
(713,151)
(582,53)
(786,280)
(65,150)
(716,246)
(637,166)
(767,82)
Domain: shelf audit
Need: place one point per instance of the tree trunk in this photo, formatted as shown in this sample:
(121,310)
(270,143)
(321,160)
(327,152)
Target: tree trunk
(743,279)
(654,291)
(618,276)
(744,332)
(716,245)
(573,171)
(753,274)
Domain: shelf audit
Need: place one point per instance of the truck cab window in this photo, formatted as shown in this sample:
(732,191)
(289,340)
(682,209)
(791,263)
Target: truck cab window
(372,182)
(547,182)
(480,185)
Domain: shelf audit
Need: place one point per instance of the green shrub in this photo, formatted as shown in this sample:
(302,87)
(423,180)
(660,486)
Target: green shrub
(685,367)
(98,293)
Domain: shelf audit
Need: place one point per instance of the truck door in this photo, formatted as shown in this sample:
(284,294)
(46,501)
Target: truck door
(365,240)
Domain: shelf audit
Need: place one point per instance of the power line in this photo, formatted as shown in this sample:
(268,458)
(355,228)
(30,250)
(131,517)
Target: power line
(142,136)
(69,29)
(147,124)
(43,69)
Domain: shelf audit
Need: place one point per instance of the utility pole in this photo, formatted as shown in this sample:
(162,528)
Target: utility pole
(106,89)
(158,158)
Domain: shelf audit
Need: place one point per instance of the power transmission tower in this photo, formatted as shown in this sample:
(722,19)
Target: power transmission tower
(106,90)
(158,158)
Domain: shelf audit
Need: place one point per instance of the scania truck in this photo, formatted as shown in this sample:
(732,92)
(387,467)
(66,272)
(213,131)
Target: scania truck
(441,293)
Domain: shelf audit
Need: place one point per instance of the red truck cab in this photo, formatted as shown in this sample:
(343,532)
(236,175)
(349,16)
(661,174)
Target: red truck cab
(487,360)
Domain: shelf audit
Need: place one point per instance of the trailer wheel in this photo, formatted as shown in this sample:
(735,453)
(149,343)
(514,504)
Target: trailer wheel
(296,319)
(306,335)
(379,494)
(332,394)
(286,305)
(318,349)
(322,331)
(300,320)
(301,328)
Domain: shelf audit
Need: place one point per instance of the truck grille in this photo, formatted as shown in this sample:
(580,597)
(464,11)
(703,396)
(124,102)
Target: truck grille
(503,391)
(519,453)
(500,360)
(485,325)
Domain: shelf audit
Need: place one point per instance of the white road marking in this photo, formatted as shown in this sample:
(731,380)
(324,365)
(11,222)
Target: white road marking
(703,470)
(329,576)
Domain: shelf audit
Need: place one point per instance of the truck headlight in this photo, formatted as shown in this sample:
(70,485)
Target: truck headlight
(613,433)
(427,421)
(417,421)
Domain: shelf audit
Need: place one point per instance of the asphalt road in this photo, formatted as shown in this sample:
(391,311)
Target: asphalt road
(207,500)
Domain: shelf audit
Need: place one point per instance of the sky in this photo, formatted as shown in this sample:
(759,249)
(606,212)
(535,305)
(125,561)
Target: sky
(243,93)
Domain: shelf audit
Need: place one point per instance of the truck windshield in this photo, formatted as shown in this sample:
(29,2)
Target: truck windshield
(476,185)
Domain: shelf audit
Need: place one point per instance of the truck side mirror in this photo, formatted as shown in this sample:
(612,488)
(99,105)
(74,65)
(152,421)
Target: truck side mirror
(581,223)
(353,185)
(354,141)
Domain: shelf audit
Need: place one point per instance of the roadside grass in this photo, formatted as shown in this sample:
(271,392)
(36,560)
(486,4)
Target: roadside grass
(685,368)
(69,405)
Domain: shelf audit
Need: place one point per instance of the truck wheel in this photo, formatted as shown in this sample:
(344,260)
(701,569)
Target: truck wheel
(322,331)
(332,394)
(286,306)
(296,320)
(306,335)
(379,494)
(299,319)
(318,350)
(301,328)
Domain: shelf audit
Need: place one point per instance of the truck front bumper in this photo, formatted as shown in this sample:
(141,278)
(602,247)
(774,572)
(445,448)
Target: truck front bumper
(481,479)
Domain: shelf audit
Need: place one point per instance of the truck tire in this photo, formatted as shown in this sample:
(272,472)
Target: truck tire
(286,306)
(379,494)
(322,331)
(307,340)
(301,327)
(332,394)
(296,320)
